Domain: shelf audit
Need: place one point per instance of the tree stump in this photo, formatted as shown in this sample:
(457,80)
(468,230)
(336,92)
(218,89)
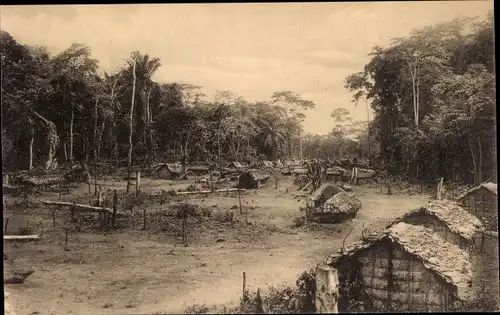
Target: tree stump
(327,290)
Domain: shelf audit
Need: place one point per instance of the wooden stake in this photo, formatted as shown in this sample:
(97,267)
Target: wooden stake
(137,182)
(115,205)
(6,225)
(89,183)
(239,200)
(144,215)
(211,183)
(244,285)
(66,236)
(54,217)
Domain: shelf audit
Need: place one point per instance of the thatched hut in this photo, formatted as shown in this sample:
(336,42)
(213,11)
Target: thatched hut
(405,268)
(168,171)
(447,220)
(482,202)
(330,203)
(252,179)
(199,169)
(335,173)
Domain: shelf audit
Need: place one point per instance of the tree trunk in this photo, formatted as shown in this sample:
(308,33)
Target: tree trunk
(100,138)
(71,133)
(32,140)
(95,129)
(474,163)
(130,144)
(52,142)
(480,162)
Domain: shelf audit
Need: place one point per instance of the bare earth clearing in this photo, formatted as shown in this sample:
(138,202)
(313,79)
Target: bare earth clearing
(133,271)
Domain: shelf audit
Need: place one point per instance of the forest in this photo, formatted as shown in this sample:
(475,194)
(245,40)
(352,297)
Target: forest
(431,93)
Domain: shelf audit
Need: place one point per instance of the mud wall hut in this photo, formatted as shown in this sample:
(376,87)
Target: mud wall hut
(252,179)
(449,221)
(405,268)
(482,202)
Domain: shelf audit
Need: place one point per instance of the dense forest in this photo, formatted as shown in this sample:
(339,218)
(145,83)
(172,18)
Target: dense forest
(432,94)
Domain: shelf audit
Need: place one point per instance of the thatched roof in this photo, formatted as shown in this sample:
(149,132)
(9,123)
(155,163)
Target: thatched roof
(365,173)
(336,170)
(326,191)
(198,167)
(343,202)
(172,167)
(268,163)
(448,261)
(300,171)
(456,218)
(489,186)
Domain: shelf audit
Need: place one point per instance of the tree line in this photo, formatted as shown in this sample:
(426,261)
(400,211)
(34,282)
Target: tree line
(63,108)
(432,94)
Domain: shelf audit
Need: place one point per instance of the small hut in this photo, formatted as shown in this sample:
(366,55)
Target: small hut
(335,173)
(330,203)
(168,171)
(447,220)
(198,170)
(405,268)
(252,179)
(482,202)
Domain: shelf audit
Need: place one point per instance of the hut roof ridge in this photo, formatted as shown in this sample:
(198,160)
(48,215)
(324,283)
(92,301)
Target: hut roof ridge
(456,218)
(489,186)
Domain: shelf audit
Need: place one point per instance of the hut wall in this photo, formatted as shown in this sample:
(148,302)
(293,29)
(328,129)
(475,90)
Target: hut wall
(483,204)
(438,227)
(408,287)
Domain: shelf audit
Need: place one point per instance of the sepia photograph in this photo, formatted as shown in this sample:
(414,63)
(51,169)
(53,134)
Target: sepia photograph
(249,158)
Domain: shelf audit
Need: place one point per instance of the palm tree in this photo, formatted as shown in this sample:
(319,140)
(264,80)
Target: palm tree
(145,67)
(272,133)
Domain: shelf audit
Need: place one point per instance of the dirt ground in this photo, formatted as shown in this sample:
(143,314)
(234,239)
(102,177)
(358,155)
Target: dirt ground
(134,271)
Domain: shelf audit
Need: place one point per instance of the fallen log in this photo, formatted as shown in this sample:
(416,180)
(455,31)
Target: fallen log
(209,191)
(21,237)
(305,187)
(301,196)
(81,207)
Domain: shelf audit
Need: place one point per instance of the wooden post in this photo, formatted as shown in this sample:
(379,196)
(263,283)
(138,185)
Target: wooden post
(66,236)
(211,183)
(439,189)
(115,205)
(144,215)
(101,218)
(60,189)
(137,182)
(244,285)
(246,215)
(54,217)
(73,210)
(6,225)
(239,200)
(128,179)
(327,289)
(89,183)
(389,190)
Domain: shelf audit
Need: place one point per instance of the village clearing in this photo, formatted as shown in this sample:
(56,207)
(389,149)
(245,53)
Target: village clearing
(130,270)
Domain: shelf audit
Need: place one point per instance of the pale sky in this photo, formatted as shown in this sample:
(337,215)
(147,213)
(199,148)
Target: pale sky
(252,50)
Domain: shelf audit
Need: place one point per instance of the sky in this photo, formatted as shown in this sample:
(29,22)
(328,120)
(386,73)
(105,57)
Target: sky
(252,50)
